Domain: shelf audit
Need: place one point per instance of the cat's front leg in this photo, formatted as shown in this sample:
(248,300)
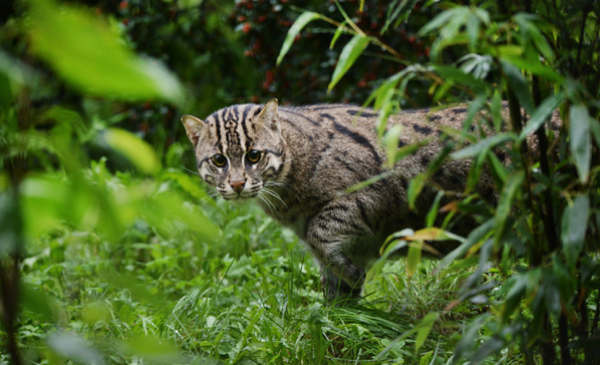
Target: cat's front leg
(329,235)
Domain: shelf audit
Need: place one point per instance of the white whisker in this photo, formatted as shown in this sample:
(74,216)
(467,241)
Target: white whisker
(267,202)
(275,195)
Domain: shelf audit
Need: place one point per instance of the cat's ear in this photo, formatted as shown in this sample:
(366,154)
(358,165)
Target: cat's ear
(269,114)
(193,127)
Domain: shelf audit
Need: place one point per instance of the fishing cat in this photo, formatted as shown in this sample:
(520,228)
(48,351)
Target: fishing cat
(298,161)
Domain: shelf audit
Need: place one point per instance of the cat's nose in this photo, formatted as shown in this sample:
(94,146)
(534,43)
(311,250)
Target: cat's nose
(237,186)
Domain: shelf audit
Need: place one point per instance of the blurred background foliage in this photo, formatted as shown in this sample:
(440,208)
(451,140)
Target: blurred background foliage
(112,252)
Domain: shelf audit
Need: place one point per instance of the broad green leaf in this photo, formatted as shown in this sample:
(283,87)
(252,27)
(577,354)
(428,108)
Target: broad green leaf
(300,23)
(424,328)
(574,227)
(35,300)
(541,114)
(483,145)
(139,152)
(90,55)
(347,58)
(519,86)
(41,199)
(580,140)
(511,188)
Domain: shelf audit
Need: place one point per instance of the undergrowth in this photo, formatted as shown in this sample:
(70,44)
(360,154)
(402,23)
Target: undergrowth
(253,297)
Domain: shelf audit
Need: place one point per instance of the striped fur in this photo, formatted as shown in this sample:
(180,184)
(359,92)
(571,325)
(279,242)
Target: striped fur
(309,155)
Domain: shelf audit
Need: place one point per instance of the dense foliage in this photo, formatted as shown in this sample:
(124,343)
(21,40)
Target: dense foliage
(112,252)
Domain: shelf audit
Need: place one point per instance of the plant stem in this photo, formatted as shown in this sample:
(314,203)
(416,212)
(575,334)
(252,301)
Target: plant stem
(563,340)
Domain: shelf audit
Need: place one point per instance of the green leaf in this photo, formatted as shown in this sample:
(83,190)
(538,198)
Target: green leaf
(347,58)
(35,300)
(514,296)
(574,227)
(519,85)
(530,31)
(433,211)
(457,75)
(414,188)
(90,55)
(511,188)
(139,152)
(541,114)
(483,145)
(535,67)
(473,30)
(580,140)
(425,328)
(338,32)
(438,21)
(300,23)
(490,347)
(398,13)
(414,258)
(477,235)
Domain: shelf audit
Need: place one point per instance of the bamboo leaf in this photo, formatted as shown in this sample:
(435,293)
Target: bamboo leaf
(519,85)
(580,140)
(338,32)
(473,29)
(139,152)
(425,328)
(511,188)
(541,114)
(349,54)
(414,258)
(300,23)
(437,22)
(574,227)
(90,55)
(484,144)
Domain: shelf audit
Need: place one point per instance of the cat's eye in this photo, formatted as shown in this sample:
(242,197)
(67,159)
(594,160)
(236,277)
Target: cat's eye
(253,156)
(219,160)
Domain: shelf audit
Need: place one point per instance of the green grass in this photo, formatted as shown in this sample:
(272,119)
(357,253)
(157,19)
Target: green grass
(253,297)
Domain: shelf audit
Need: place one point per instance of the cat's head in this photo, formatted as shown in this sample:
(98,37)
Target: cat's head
(239,149)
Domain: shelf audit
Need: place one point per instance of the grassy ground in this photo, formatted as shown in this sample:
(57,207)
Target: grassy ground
(252,298)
